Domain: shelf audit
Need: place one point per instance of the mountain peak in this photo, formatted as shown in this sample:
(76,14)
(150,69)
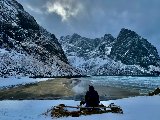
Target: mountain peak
(130,49)
(127,32)
(75,35)
(108,36)
(15,4)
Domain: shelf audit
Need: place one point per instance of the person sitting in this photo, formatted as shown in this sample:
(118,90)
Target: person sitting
(92,98)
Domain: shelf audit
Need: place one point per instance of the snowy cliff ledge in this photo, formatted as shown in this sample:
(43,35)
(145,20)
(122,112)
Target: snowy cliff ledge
(136,108)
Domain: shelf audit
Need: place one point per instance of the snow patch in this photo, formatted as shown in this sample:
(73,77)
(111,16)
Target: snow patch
(7,82)
(3,51)
(109,50)
(136,108)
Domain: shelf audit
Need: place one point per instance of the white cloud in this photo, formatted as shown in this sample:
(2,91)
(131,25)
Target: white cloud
(64,8)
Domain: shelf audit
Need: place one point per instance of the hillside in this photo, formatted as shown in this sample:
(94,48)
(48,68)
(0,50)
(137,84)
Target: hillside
(26,48)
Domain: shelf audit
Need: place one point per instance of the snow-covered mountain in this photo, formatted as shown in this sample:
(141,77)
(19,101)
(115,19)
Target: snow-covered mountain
(128,54)
(26,48)
(130,48)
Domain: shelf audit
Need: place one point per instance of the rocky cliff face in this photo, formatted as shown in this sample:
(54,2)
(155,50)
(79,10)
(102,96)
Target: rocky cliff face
(22,39)
(86,47)
(130,49)
(128,54)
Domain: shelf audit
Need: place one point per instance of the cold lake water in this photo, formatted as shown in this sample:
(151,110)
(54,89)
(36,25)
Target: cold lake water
(108,87)
(141,84)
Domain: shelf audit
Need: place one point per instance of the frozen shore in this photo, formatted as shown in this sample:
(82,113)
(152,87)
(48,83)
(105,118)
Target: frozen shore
(135,108)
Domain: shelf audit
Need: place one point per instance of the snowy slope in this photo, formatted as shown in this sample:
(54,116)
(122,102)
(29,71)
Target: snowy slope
(15,81)
(13,63)
(26,48)
(137,108)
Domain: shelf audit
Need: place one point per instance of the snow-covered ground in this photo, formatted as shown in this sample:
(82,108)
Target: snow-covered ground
(136,108)
(7,82)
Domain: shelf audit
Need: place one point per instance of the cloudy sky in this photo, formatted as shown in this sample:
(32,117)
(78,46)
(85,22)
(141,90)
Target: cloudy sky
(94,18)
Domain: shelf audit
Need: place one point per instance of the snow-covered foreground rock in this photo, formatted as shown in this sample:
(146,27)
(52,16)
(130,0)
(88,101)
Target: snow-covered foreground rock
(13,81)
(137,108)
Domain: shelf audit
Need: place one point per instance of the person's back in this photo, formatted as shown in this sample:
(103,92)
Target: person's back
(92,97)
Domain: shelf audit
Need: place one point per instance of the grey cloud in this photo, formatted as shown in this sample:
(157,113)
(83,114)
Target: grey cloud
(63,8)
(98,17)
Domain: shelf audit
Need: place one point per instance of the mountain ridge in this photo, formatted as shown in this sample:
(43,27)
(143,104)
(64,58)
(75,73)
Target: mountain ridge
(107,57)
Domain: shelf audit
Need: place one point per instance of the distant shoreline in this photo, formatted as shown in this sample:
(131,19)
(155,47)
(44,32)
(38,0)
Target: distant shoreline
(128,75)
(81,76)
(68,77)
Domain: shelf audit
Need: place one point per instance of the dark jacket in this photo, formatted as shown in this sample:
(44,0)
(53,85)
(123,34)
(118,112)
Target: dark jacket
(92,98)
